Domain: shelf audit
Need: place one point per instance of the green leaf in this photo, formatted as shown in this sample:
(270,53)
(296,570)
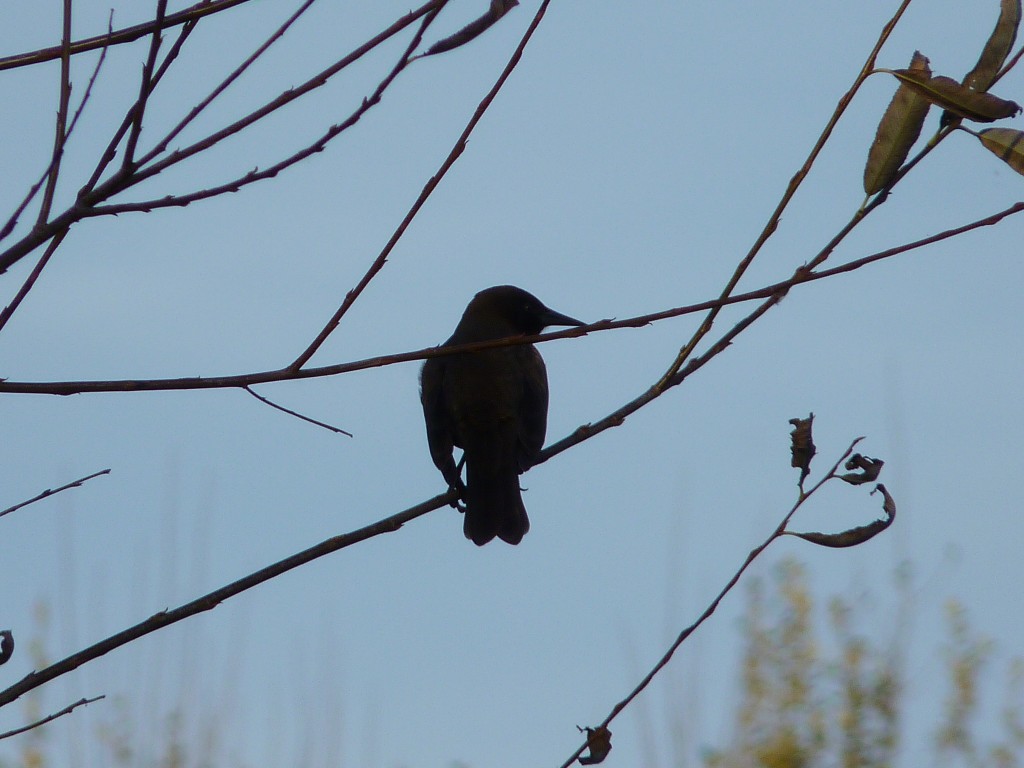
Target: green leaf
(997,48)
(1006,144)
(956,97)
(897,131)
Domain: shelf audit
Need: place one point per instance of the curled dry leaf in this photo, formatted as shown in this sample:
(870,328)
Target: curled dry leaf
(855,536)
(897,131)
(599,742)
(6,646)
(803,445)
(474,29)
(956,97)
(1006,144)
(997,47)
(869,469)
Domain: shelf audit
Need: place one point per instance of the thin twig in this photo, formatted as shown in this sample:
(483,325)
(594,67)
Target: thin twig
(254,175)
(224,84)
(213,599)
(60,127)
(791,189)
(108,154)
(33,276)
(53,491)
(145,86)
(428,11)
(12,222)
(287,374)
(290,412)
(49,718)
(428,188)
(95,193)
(685,633)
(126,35)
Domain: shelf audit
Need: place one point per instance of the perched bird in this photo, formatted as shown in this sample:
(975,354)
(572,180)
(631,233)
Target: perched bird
(493,404)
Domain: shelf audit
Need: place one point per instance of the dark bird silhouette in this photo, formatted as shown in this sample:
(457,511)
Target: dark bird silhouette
(492,404)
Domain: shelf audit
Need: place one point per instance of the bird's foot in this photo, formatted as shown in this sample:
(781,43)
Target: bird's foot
(460,502)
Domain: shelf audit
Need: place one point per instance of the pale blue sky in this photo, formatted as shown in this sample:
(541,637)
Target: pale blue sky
(627,165)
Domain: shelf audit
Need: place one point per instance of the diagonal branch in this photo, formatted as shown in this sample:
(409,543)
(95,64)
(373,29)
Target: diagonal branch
(53,491)
(238,72)
(791,189)
(685,633)
(428,188)
(12,222)
(146,86)
(290,412)
(50,718)
(255,175)
(127,35)
(213,599)
(94,193)
(60,128)
(33,276)
(108,154)
(771,292)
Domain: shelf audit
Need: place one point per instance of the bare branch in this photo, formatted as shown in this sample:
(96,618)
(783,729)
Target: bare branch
(685,633)
(428,188)
(49,718)
(772,292)
(30,281)
(12,222)
(290,412)
(60,128)
(53,491)
(794,185)
(255,175)
(94,192)
(127,35)
(197,110)
(213,599)
(428,11)
(145,86)
(111,150)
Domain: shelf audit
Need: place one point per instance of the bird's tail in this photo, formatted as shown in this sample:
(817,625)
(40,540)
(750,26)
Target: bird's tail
(494,505)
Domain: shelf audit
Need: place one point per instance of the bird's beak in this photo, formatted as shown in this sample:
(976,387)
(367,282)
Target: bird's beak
(551,317)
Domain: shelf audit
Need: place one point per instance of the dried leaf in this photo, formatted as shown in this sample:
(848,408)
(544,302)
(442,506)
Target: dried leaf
(855,536)
(6,646)
(803,445)
(997,48)
(870,469)
(1007,144)
(897,131)
(599,742)
(957,98)
(474,29)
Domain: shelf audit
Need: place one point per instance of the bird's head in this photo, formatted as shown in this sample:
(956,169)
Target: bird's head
(514,311)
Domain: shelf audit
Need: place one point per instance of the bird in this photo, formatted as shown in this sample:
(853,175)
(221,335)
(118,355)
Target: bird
(493,404)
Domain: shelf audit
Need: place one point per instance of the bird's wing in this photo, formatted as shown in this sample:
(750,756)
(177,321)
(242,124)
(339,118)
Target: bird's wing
(438,420)
(534,413)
